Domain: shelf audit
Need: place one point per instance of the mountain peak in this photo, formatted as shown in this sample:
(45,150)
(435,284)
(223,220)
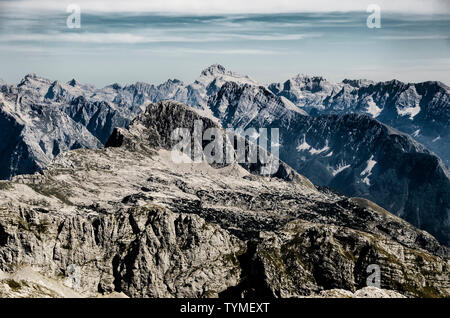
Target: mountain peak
(116,86)
(394,82)
(31,75)
(72,82)
(33,80)
(217,74)
(173,81)
(437,84)
(308,78)
(214,70)
(357,83)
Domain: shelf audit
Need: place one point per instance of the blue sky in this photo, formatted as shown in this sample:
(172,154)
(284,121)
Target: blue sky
(151,41)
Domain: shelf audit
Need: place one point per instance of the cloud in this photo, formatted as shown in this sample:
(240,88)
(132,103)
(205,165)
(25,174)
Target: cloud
(177,51)
(413,37)
(99,38)
(230,6)
(225,51)
(151,37)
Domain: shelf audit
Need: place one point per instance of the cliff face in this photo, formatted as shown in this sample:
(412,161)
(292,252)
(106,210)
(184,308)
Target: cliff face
(128,219)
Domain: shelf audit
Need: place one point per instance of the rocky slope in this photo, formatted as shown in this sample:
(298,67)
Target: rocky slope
(33,132)
(355,154)
(127,219)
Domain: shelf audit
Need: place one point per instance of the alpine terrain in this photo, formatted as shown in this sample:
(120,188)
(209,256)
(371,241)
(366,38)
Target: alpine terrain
(125,220)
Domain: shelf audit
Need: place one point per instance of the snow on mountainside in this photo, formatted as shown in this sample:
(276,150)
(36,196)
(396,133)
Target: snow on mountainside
(421,110)
(306,91)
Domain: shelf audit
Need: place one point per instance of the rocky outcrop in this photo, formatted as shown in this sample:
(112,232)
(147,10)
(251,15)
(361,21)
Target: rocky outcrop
(33,134)
(366,292)
(335,257)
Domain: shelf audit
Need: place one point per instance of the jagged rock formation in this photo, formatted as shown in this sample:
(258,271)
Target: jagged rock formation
(132,221)
(33,133)
(237,105)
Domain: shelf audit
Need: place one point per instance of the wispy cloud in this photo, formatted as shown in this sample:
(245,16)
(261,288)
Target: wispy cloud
(166,51)
(232,6)
(128,38)
(223,51)
(99,38)
(274,37)
(413,37)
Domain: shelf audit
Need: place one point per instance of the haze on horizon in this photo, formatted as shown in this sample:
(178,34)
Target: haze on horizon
(151,41)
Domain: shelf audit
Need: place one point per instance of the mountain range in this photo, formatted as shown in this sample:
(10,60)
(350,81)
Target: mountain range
(421,110)
(387,142)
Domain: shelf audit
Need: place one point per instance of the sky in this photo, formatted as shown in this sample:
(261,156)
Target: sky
(271,41)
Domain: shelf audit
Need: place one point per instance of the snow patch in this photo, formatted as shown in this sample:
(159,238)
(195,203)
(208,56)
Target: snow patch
(373,108)
(408,103)
(291,106)
(411,111)
(436,139)
(416,133)
(304,145)
(368,171)
(341,167)
(314,151)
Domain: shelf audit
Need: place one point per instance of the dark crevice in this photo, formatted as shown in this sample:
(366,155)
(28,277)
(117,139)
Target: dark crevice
(3,236)
(60,228)
(253,284)
(116,274)
(96,225)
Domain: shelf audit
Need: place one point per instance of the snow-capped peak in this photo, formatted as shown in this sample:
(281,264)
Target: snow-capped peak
(357,83)
(219,74)
(308,78)
(171,82)
(214,70)
(33,80)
